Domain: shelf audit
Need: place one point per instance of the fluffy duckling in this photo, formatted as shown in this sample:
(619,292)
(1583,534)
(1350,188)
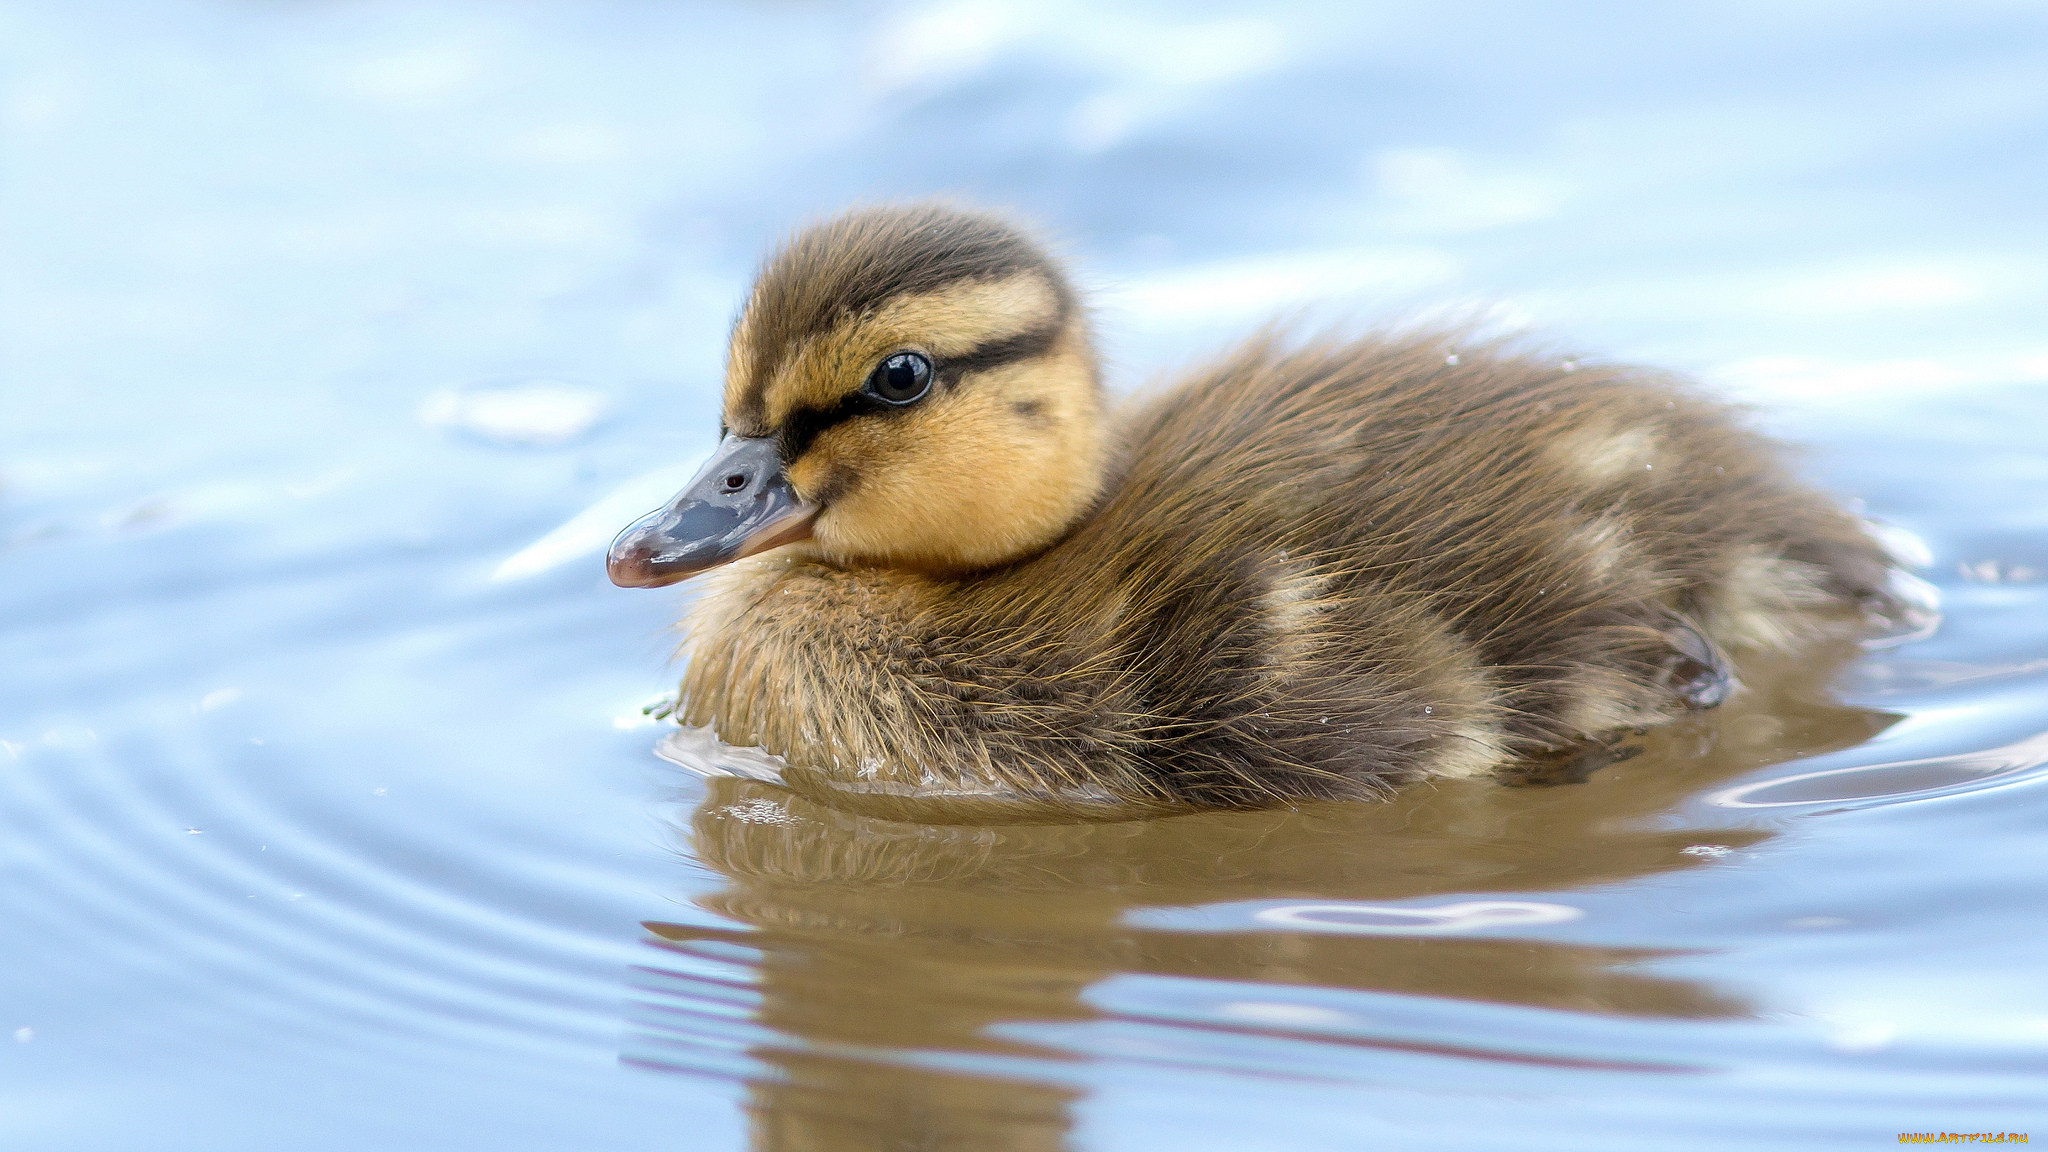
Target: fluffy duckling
(1313,569)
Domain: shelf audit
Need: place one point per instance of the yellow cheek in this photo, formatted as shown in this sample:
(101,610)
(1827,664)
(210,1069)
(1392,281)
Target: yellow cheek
(832,467)
(980,476)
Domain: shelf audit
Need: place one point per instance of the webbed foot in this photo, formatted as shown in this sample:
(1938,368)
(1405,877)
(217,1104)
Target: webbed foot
(1694,671)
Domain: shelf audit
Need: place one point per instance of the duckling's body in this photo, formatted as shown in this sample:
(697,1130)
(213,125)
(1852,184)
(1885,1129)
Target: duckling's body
(1313,571)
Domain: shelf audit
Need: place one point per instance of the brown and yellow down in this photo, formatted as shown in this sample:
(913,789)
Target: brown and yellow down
(1311,569)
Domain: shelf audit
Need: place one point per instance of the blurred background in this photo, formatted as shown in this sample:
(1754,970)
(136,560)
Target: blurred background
(337,338)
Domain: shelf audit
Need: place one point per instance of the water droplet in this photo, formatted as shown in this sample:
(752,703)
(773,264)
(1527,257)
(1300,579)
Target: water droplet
(1707,851)
(1451,359)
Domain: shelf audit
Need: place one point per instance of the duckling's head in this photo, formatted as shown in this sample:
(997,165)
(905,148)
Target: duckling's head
(907,386)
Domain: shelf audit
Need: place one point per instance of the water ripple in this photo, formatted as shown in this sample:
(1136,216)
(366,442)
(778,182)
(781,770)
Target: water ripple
(322,918)
(1894,783)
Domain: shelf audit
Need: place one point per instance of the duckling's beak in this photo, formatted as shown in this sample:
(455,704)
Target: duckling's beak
(739,503)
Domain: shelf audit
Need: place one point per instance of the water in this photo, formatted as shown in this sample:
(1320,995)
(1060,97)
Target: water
(335,337)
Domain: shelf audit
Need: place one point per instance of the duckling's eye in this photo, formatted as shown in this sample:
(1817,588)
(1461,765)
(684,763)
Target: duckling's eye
(901,379)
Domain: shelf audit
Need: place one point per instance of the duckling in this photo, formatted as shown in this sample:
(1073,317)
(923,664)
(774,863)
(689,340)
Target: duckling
(947,563)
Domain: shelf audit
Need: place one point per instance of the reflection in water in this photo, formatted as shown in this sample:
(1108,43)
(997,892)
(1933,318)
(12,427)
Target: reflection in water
(907,984)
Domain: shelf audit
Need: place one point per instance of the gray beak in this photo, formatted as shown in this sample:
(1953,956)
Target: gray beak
(739,503)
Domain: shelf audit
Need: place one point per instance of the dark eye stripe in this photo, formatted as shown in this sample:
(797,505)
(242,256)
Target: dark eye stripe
(804,425)
(1025,345)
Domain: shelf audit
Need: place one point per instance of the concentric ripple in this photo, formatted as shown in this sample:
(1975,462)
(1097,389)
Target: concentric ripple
(319,909)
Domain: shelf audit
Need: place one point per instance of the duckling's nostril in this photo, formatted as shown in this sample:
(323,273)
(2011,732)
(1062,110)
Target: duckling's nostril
(736,481)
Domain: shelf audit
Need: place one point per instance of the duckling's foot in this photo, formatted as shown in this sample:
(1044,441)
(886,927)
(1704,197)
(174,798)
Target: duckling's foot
(1695,671)
(1908,609)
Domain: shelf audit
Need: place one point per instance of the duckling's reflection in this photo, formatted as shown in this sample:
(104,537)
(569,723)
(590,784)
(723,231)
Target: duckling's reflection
(888,957)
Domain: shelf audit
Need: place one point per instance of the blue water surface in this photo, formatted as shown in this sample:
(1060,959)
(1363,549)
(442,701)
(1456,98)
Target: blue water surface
(330,818)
